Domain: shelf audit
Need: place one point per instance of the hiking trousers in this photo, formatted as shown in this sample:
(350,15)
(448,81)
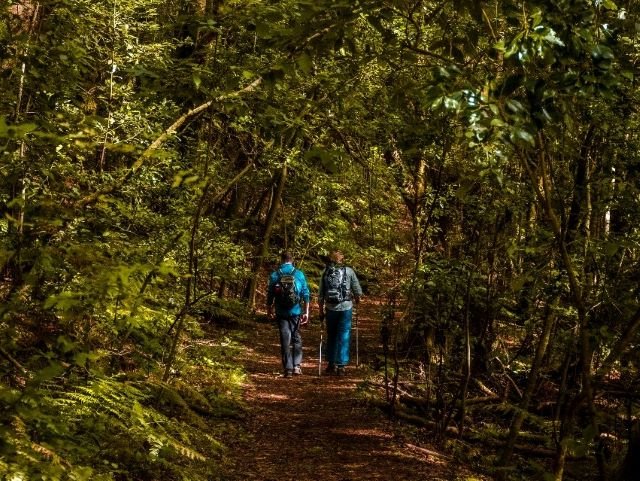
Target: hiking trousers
(290,342)
(338,336)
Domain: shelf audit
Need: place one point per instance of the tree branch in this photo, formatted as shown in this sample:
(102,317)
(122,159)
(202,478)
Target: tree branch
(427,53)
(15,363)
(619,347)
(155,145)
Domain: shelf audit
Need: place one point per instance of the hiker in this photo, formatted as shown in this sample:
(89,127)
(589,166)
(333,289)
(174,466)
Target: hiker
(289,292)
(339,290)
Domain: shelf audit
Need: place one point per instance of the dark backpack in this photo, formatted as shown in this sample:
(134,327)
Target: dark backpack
(335,285)
(285,290)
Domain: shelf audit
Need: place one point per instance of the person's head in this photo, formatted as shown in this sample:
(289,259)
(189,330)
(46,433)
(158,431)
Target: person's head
(336,257)
(286,256)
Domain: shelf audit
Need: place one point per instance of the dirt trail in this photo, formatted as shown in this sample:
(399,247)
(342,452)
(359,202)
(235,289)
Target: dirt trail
(315,428)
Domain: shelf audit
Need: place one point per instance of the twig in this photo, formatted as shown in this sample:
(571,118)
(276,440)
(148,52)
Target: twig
(486,17)
(15,363)
(428,53)
(484,388)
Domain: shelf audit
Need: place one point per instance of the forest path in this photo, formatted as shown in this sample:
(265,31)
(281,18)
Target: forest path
(312,427)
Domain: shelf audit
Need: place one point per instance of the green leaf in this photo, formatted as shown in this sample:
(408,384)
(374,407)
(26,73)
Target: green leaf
(519,282)
(15,130)
(54,369)
(602,52)
(627,74)
(515,106)
(514,47)
(611,248)
(81,358)
(81,474)
(264,30)
(521,135)
(177,181)
(305,62)
(536,17)
(191,179)
(65,344)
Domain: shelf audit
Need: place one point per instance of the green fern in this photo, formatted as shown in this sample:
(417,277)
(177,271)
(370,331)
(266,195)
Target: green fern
(119,424)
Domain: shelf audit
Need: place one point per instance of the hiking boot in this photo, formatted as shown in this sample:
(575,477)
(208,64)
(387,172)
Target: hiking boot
(340,371)
(331,369)
(288,373)
(297,371)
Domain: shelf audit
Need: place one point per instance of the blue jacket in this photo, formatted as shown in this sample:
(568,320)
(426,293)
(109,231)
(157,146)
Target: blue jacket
(301,285)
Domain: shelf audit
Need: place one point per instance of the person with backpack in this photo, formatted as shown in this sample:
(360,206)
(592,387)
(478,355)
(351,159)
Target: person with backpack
(289,293)
(339,290)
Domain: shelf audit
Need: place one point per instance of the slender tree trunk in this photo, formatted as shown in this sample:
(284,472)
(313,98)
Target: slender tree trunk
(20,187)
(179,321)
(467,360)
(542,186)
(543,192)
(268,228)
(630,466)
(516,423)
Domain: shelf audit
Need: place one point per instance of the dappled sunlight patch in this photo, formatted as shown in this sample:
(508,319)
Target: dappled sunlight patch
(432,457)
(416,458)
(331,432)
(270,396)
(337,387)
(358,431)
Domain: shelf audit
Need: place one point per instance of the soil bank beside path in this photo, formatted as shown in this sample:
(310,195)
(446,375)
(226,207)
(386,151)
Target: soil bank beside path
(312,427)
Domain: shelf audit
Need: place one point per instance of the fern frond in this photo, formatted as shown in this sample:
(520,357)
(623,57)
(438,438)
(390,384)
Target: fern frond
(186,451)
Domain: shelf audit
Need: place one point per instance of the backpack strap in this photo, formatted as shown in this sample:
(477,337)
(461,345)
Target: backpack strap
(282,274)
(346,285)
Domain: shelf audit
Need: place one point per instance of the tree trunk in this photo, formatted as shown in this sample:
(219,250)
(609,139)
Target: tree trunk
(467,361)
(631,465)
(268,228)
(178,323)
(516,424)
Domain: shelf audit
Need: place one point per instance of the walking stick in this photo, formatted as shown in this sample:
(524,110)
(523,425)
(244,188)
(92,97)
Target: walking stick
(320,350)
(357,346)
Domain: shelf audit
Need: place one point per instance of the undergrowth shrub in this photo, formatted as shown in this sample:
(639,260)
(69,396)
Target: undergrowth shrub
(121,427)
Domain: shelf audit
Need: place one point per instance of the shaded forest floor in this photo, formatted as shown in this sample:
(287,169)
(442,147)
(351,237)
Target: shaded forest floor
(314,427)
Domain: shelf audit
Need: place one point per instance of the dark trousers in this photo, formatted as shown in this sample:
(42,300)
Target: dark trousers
(290,337)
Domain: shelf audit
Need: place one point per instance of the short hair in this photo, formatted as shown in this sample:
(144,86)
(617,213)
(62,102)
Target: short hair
(286,256)
(336,256)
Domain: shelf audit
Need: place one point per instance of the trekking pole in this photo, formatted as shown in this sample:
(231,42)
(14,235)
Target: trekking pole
(357,346)
(320,350)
